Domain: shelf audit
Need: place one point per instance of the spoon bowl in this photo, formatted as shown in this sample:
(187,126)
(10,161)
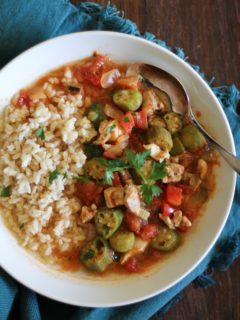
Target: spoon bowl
(167,83)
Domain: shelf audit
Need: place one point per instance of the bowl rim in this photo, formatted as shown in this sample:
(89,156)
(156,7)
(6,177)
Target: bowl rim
(231,148)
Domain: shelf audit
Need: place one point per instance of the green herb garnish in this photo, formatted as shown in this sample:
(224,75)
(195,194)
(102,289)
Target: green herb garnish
(158,171)
(40,133)
(111,128)
(136,161)
(53,176)
(150,191)
(84,179)
(125,119)
(111,167)
(6,191)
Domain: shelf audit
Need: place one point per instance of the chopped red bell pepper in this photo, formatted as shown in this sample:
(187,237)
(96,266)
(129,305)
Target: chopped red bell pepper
(116,180)
(88,192)
(167,210)
(140,119)
(23,100)
(174,195)
(127,122)
(149,231)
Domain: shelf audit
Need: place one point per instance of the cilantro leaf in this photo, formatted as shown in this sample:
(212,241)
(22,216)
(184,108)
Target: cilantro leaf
(108,177)
(111,128)
(116,164)
(111,166)
(40,133)
(150,191)
(136,160)
(84,179)
(158,171)
(6,191)
(53,176)
(125,119)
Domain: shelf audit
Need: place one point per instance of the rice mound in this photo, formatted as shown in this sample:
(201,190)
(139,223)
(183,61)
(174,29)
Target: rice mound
(43,215)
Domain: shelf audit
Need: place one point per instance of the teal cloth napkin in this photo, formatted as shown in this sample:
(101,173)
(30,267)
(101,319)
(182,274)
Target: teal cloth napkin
(27,22)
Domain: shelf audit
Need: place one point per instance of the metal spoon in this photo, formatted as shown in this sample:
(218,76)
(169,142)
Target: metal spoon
(180,104)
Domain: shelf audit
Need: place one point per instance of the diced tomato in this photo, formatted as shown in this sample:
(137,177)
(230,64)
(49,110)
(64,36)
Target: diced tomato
(127,122)
(23,100)
(182,228)
(155,205)
(88,192)
(133,222)
(107,154)
(149,231)
(140,119)
(131,265)
(116,180)
(174,195)
(91,71)
(136,142)
(167,210)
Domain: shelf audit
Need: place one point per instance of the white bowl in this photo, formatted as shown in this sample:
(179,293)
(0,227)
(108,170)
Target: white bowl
(79,289)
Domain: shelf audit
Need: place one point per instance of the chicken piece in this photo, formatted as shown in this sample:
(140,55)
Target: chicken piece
(193,180)
(37,93)
(178,220)
(132,199)
(174,173)
(139,247)
(114,197)
(109,78)
(87,213)
(109,131)
(113,112)
(167,220)
(156,153)
(126,177)
(152,103)
(119,145)
(202,168)
(185,222)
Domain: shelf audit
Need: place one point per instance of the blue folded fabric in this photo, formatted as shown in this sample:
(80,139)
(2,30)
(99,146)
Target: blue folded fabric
(27,22)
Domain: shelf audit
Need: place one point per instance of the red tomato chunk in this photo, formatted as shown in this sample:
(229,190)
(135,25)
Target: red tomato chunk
(89,192)
(91,71)
(149,231)
(174,195)
(133,222)
(131,265)
(23,100)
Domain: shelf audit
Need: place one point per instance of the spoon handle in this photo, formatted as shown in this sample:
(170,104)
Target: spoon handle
(232,160)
